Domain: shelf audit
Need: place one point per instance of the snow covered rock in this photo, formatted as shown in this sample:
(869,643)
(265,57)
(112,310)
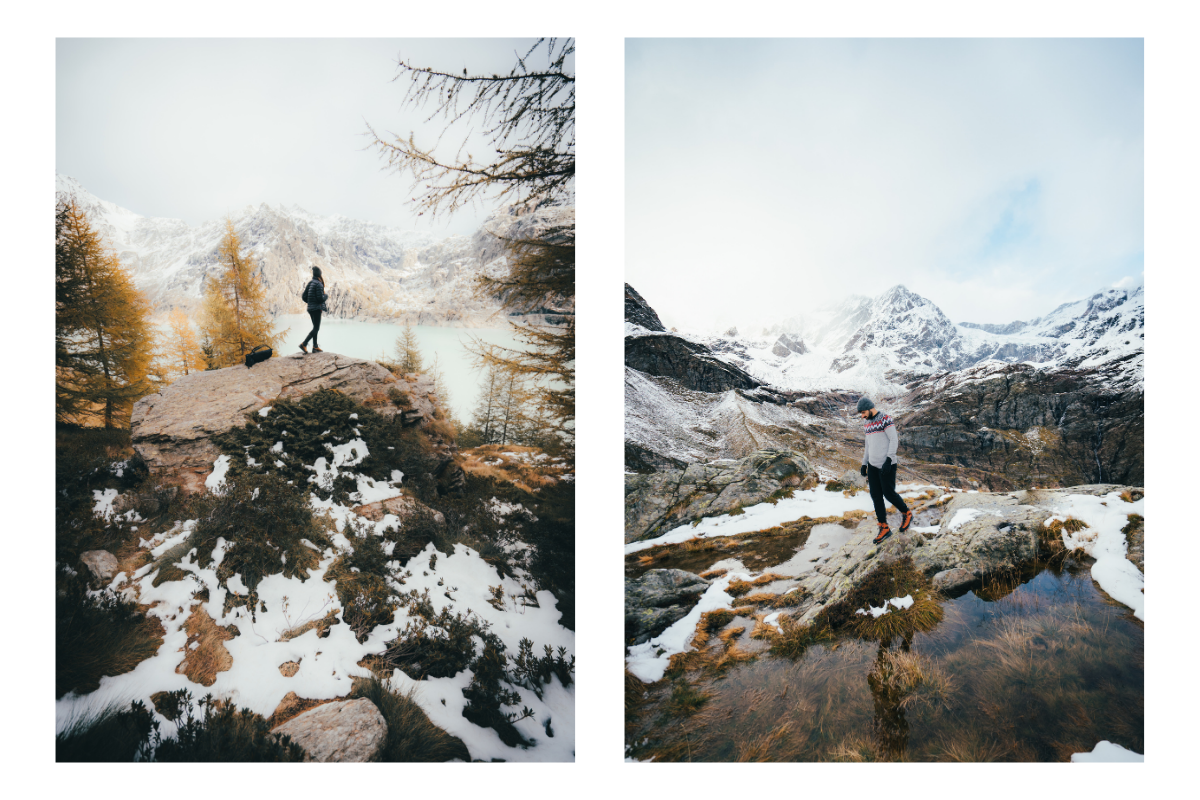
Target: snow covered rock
(402,507)
(658,599)
(660,501)
(352,730)
(101,563)
(787,344)
(173,430)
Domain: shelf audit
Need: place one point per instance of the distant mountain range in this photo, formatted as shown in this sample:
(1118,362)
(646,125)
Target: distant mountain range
(880,345)
(372,271)
(1054,400)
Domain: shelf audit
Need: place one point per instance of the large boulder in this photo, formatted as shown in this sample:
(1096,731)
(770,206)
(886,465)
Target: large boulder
(351,730)
(101,563)
(657,599)
(173,430)
(657,502)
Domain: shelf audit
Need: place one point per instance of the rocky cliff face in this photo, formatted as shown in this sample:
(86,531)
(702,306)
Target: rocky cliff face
(1023,426)
(693,365)
(639,312)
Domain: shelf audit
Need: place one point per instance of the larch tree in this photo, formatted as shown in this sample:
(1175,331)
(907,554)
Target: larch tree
(103,344)
(234,317)
(408,351)
(182,353)
(528,117)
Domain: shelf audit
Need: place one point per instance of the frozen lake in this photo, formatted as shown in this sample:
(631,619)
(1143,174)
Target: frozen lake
(376,340)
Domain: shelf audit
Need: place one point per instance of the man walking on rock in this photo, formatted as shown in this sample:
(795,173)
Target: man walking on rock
(879,466)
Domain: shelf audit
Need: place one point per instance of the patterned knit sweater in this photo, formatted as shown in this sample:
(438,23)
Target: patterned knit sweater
(881,441)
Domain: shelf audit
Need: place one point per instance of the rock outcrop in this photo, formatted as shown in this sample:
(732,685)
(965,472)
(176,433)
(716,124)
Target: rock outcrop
(1018,426)
(639,312)
(657,502)
(101,563)
(351,730)
(173,430)
(403,507)
(979,534)
(692,365)
(787,344)
(658,599)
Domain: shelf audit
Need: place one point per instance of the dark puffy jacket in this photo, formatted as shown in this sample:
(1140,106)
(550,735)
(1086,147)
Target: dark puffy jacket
(314,295)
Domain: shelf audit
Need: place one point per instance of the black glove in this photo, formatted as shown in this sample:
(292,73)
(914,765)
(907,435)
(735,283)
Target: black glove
(887,463)
(863,471)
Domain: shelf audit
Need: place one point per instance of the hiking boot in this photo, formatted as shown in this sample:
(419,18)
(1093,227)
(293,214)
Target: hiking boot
(907,521)
(304,349)
(317,349)
(884,532)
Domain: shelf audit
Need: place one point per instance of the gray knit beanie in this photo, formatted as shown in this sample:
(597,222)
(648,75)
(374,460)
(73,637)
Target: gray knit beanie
(864,403)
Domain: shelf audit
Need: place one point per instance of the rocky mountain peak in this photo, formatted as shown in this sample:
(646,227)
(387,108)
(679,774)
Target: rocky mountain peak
(639,312)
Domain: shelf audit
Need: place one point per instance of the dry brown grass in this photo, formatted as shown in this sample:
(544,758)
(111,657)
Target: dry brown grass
(500,463)
(851,518)
(713,574)
(322,625)
(204,654)
(1132,495)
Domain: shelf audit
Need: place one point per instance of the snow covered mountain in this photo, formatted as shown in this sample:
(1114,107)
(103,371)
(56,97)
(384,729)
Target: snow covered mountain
(879,346)
(1054,400)
(372,271)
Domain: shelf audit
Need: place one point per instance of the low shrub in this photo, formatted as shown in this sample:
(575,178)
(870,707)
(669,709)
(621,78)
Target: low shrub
(486,697)
(533,672)
(116,735)
(224,734)
(98,635)
(264,522)
(411,736)
(438,645)
(362,584)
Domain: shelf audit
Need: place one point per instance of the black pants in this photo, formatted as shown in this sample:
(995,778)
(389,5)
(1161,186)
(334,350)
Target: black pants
(883,485)
(315,314)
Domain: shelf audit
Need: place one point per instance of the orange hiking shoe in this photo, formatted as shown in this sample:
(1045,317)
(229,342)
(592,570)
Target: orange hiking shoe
(304,349)
(317,349)
(907,521)
(884,532)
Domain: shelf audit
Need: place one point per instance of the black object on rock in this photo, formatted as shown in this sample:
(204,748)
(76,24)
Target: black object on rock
(260,353)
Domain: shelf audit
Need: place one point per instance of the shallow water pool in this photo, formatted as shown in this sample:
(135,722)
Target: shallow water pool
(1032,668)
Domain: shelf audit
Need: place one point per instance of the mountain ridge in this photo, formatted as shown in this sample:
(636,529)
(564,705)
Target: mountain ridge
(374,271)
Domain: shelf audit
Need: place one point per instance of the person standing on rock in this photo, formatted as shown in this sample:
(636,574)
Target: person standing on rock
(879,465)
(314,295)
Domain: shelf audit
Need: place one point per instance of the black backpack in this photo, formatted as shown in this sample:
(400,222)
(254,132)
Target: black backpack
(260,353)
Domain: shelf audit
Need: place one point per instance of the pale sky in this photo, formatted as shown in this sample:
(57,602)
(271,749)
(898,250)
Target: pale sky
(199,128)
(997,178)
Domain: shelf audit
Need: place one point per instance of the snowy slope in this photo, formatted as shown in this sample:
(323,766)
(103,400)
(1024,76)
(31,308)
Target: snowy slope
(877,346)
(373,271)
